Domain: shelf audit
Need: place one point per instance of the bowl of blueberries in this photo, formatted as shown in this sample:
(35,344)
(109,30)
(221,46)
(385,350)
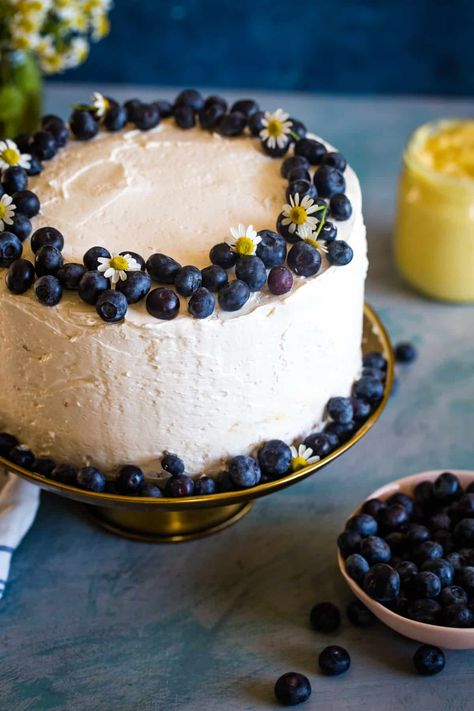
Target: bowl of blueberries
(408,554)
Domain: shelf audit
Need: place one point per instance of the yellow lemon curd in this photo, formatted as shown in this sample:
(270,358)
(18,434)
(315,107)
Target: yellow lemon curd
(434,234)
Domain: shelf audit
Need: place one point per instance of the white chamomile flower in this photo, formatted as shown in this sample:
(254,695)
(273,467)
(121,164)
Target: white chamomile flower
(78,52)
(117,266)
(10,155)
(7,211)
(297,216)
(244,239)
(316,243)
(100,105)
(276,128)
(302,457)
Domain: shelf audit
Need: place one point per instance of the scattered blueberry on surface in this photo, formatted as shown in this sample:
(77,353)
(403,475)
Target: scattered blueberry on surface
(162,303)
(214,277)
(292,688)
(48,236)
(10,248)
(130,480)
(48,290)
(91,286)
(135,287)
(202,303)
(339,253)
(20,276)
(360,615)
(244,471)
(233,296)
(334,660)
(111,306)
(429,660)
(274,457)
(405,352)
(91,479)
(325,617)
(222,255)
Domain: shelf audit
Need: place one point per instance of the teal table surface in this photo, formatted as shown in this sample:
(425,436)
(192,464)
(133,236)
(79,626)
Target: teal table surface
(91,621)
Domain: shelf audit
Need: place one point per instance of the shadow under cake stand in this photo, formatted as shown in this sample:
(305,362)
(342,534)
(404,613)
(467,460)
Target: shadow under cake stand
(165,520)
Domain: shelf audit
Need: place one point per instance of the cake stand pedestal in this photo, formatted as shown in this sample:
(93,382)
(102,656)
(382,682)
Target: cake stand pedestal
(166,520)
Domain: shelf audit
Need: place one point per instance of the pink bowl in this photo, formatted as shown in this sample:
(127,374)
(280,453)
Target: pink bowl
(448,637)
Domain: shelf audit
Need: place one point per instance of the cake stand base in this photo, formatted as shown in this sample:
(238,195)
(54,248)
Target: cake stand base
(167,526)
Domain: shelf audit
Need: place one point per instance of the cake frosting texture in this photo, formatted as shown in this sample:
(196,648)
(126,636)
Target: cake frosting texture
(84,391)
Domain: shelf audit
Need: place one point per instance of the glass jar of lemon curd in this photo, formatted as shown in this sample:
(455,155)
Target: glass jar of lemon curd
(434,233)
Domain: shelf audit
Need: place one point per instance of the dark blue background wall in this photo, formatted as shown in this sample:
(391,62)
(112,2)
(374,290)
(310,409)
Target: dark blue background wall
(401,46)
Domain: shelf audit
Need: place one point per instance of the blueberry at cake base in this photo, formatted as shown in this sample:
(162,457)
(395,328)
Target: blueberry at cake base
(195,291)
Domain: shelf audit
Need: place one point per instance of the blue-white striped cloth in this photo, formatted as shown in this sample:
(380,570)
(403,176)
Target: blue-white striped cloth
(19,502)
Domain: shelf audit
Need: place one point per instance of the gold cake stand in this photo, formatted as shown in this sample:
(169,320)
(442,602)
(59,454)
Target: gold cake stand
(166,520)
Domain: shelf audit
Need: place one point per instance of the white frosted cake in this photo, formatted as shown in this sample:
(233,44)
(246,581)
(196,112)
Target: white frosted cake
(85,391)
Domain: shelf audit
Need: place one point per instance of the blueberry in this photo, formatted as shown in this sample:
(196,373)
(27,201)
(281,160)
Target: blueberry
(304,260)
(43,145)
(334,660)
(204,486)
(429,660)
(276,151)
(7,442)
(151,491)
(163,303)
(162,268)
(368,389)
(111,306)
(10,248)
(427,550)
(362,523)
(325,617)
(465,578)
(91,286)
(251,270)
(335,160)
(397,542)
(439,521)
(172,464)
(357,567)
(57,127)
(360,615)
(191,98)
(333,437)
(21,226)
(91,479)
(310,149)
(299,128)
(342,430)
(299,174)
(340,409)
(65,473)
(222,255)
(340,207)
(215,100)
(184,116)
(233,296)
(361,409)
(146,117)
(417,533)
(293,162)
(349,542)
(48,236)
(244,471)
(456,560)
(130,480)
(20,276)
(280,280)
(407,570)
(69,275)
(247,107)
(223,482)
(26,202)
(14,179)
(164,107)
(83,125)
(43,466)
(274,458)
(320,443)
(292,688)
(271,249)
(374,373)
(23,141)
(36,166)
(284,230)
(339,253)
(22,456)
(374,359)
(115,118)
(425,584)
(328,232)
(188,280)
(135,287)
(211,116)
(446,487)
(131,106)
(303,188)
(329,181)
(232,124)
(255,123)
(373,506)
(48,290)
(179,486)
(375,549)
(382,582)
(48,260)
(405,352)
(453,595)
(404,500)
(464,507)
(457,615)
(444,538)
(214,277)
(423,493)
(202,303)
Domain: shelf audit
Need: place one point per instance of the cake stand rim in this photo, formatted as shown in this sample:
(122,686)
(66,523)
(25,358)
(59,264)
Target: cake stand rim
(230,497)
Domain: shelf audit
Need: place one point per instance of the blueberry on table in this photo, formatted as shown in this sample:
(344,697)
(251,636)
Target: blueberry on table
(222,255)
(162,268)
(251,270)
(329,181)
(204,486)
(340,409)
(425,610)
(339,253)
(162,303)
(335,160)
(48,260)
(280,280)
(274,458)
(91,479)
(146,117)
(48,290)
(43,145)
(362,523)
(83,125)
(26,202)
(10,248)
(20,276)
(429,660)
(325,617)
(64,473)
(202,303)
(453,595)
(360,615)
(292,688)
(52,237)
(334,660)
(304,260)
(172,464)
(348,542)
(244,471)
(233,296)
(135,287)
(179,486)
(14,179)
(214,277)
(382,582)
(271,249)
(446,488)
(231,124)
(7,442)
(356,567)
(375,550)
(57,127)
(22,456)
(91,286)
(111,306)
(129,480)
(310,149)
(405,352)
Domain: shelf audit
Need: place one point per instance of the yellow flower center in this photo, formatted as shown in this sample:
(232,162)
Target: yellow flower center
(313,242)
(11,156)
(3,211)
(120,264)
(275,128)
(298,215)
(298,463)
(244,246)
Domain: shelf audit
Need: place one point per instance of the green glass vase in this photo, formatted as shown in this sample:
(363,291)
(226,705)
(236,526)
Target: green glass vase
(21,92)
